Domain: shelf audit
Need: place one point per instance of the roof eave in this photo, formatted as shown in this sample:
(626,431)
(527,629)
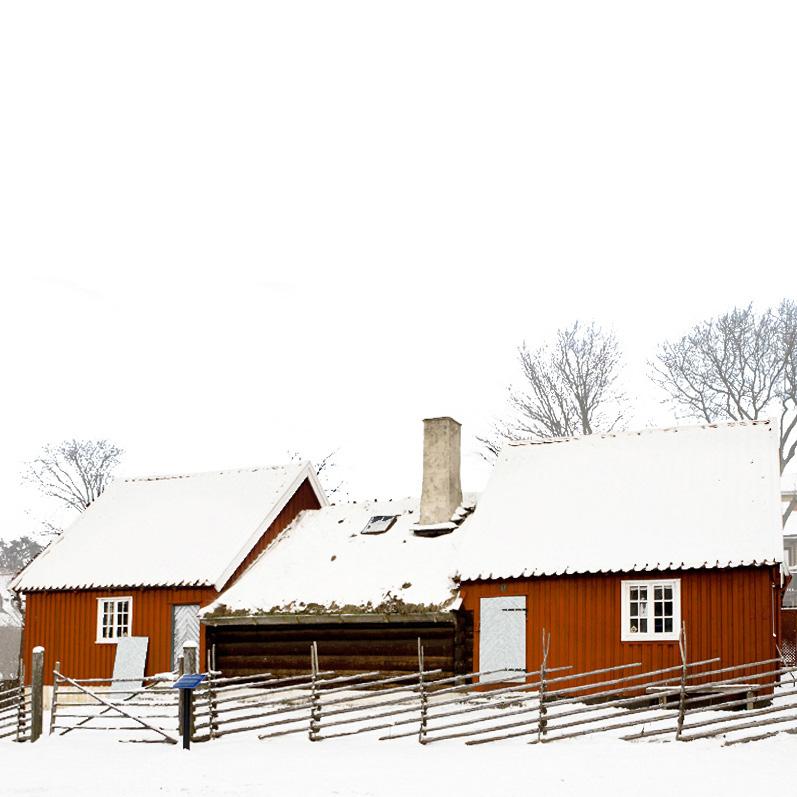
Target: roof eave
(330,618)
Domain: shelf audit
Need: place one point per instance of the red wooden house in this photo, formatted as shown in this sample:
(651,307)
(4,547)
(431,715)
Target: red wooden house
(146,556)
(610,542)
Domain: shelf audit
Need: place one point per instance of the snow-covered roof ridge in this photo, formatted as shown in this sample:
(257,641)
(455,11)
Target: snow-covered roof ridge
(707,496)
(185,531)
(323,562)
(224,472)
(541,441)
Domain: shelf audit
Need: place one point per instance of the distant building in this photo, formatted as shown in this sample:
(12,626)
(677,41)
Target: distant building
(10,629)
(789,616)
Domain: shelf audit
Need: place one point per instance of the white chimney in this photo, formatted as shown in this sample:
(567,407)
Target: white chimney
(441,494)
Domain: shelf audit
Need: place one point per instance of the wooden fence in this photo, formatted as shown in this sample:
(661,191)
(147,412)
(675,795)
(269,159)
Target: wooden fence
(15,713)
(691,700)
(146,707)
(546,705)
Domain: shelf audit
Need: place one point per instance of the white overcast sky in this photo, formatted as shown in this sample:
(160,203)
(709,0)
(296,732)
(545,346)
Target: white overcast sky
(229,230)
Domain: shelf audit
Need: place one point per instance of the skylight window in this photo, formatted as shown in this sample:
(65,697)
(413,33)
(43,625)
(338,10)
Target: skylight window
(379,524)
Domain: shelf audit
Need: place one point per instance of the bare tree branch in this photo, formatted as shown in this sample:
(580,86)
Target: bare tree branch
(325,470)
(569,388)
(740,365)
(75,472)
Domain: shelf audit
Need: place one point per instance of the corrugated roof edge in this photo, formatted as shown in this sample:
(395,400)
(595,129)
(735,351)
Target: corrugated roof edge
(540,441)
(117,587)
(647,568)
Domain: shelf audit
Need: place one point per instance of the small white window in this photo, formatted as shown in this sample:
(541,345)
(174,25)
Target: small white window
(114,618)
(651,610)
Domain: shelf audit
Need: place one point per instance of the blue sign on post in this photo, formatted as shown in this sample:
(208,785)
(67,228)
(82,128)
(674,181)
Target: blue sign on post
(186,684)
(188,681)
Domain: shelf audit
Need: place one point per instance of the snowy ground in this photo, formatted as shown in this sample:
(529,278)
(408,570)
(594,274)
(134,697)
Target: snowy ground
(363,766)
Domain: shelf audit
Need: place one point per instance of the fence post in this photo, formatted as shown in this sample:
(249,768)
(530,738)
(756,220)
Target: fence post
(315,710)
(542,725)
(213,706)
(424,696)
(54,703)
(189,658)
(682,692)
(37,694)
(21,713)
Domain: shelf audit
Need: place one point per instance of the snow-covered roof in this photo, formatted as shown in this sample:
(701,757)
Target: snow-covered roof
(190,530)
(10,616)
(322,561)
(686,497)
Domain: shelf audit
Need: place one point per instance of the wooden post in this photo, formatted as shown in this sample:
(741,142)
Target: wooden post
(315,710)
(424,696)
(682,693)
(542,725)
(189,660)
(54,705)
(37,694)
(213,705)
(21,715)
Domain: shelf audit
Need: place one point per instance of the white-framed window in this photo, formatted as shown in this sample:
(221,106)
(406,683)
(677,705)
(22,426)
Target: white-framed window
(114,618)
(651,610)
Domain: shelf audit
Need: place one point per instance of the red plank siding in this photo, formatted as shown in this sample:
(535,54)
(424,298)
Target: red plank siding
(729,613)
(64,622)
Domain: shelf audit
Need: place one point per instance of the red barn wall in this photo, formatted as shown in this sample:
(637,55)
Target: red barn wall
(64,622)
(732,613)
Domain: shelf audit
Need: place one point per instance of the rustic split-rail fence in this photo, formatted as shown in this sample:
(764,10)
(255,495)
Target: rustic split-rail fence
(687,701)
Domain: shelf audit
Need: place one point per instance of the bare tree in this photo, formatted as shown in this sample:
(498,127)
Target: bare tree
(75,472)
(738,366)
(569,388)
(326,471)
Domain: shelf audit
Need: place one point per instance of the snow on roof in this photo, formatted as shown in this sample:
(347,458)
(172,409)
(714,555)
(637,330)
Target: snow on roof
(700,496)
(322,561)
(10,616)
(168,531)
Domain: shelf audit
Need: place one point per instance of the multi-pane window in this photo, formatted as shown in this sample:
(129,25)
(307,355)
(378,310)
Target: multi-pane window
(651,610)
(114,616)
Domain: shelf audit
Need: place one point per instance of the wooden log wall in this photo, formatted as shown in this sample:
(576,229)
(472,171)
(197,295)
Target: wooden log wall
(347,648)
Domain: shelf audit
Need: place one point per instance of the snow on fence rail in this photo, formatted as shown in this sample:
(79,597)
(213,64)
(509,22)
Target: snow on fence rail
(686,701)
(147,705)
(15,713)
(549,704)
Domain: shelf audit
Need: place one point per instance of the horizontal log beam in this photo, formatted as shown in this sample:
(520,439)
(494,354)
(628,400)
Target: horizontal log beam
(334,647)
(330,619)
(355,663)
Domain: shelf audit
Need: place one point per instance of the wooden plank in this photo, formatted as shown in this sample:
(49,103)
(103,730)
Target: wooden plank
(330,619)
(306,635)
(118,709)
